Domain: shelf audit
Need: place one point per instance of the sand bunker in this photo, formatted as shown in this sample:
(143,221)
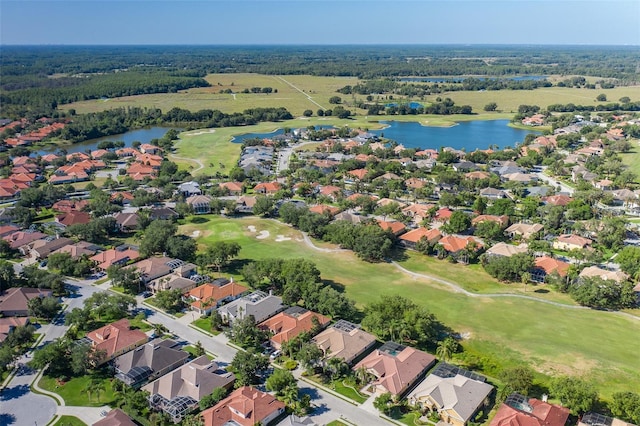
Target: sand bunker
(262,235)
(251,228)
(201,132)
(195,234)
(280,238)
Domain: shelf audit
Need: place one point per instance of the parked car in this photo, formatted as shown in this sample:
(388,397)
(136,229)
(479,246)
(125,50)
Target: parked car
(275,355)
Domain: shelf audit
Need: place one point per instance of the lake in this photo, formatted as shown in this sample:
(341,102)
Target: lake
(468,135)
(242,137)
(140,135)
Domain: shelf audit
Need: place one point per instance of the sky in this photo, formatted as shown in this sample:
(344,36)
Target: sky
(213,22)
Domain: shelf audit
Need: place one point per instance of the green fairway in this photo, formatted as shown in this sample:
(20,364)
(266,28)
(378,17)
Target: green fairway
(632,158)
(593,344)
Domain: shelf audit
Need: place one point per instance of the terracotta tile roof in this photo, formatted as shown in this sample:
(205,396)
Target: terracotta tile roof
(21,238)
(8,324)
(454,244)
(443,214)
(415,183)
(324,208)
(211,294)
(574,240)
(115,337)
(431,235)
(268,187)
(551,265)
(395,227)
(115,417)
(398,370)
(542,414)
(113,256)
(558,200)
(344,340)
(245,406)
(70,205)
(232,186)
(330,190)
(290,323)
(358,173)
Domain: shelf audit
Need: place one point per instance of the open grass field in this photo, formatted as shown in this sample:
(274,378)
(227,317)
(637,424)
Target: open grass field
(300,92)
(592,344)
(632,159)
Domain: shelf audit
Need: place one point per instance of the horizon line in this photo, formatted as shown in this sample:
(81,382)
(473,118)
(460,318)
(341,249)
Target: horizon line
(318,44)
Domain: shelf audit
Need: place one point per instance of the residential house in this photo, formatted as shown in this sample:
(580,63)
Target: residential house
(351,217)
(124,198)
(411,238)
(116,339)
(180,390)
(477,175)
(571,242)
(359,174)
(464,166)
(520,177)
(201,204)
(73,218)
(506,250)
(267,188)
(163,213)
(8,324)
(115,256)
(557,200)
(182,277)
(210,296)
(41,249)
(395,367)
(344,340)
(534,120)
(331,192)
(524,230)
(127,222)
(443,214)
(155,267)
(149,361)
(418,212)
(324,209)
(20,240)
(245,204)
(395,227)
(520,410)
(14,301)
(294,420)
(415,183)
(146,148)
(258,304)
(546,265)
(502,220)
(493,193)
(234,188)
(455,394)
(291,323)
(246,406)
(456,245)
(70,205)
(6,230)
(594,271)
(79,249)
(187,189)
(115,417)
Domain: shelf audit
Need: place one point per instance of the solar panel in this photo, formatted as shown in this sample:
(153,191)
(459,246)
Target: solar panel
(392,348)
(445,370)
(596,419)
(345,326)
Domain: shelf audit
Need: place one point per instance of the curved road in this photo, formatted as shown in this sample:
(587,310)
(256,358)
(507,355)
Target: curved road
(458,289)
(198,162)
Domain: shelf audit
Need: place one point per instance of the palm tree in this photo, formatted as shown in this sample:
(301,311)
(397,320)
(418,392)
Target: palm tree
(159,329)
(447,348)
(362,375)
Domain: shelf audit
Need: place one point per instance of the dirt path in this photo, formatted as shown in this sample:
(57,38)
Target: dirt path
(198,162)
(301,91)
(458,289)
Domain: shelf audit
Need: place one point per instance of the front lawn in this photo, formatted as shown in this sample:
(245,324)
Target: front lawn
(73,392)
(69,421)
(204,323)
(348,391)
(192,350)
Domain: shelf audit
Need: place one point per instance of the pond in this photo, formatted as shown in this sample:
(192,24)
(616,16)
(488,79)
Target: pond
(140,135)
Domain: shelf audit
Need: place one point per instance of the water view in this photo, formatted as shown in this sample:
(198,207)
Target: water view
(140,135)
(468,135)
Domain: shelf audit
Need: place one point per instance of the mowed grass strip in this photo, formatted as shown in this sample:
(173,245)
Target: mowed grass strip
(73,392)
(592,344)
